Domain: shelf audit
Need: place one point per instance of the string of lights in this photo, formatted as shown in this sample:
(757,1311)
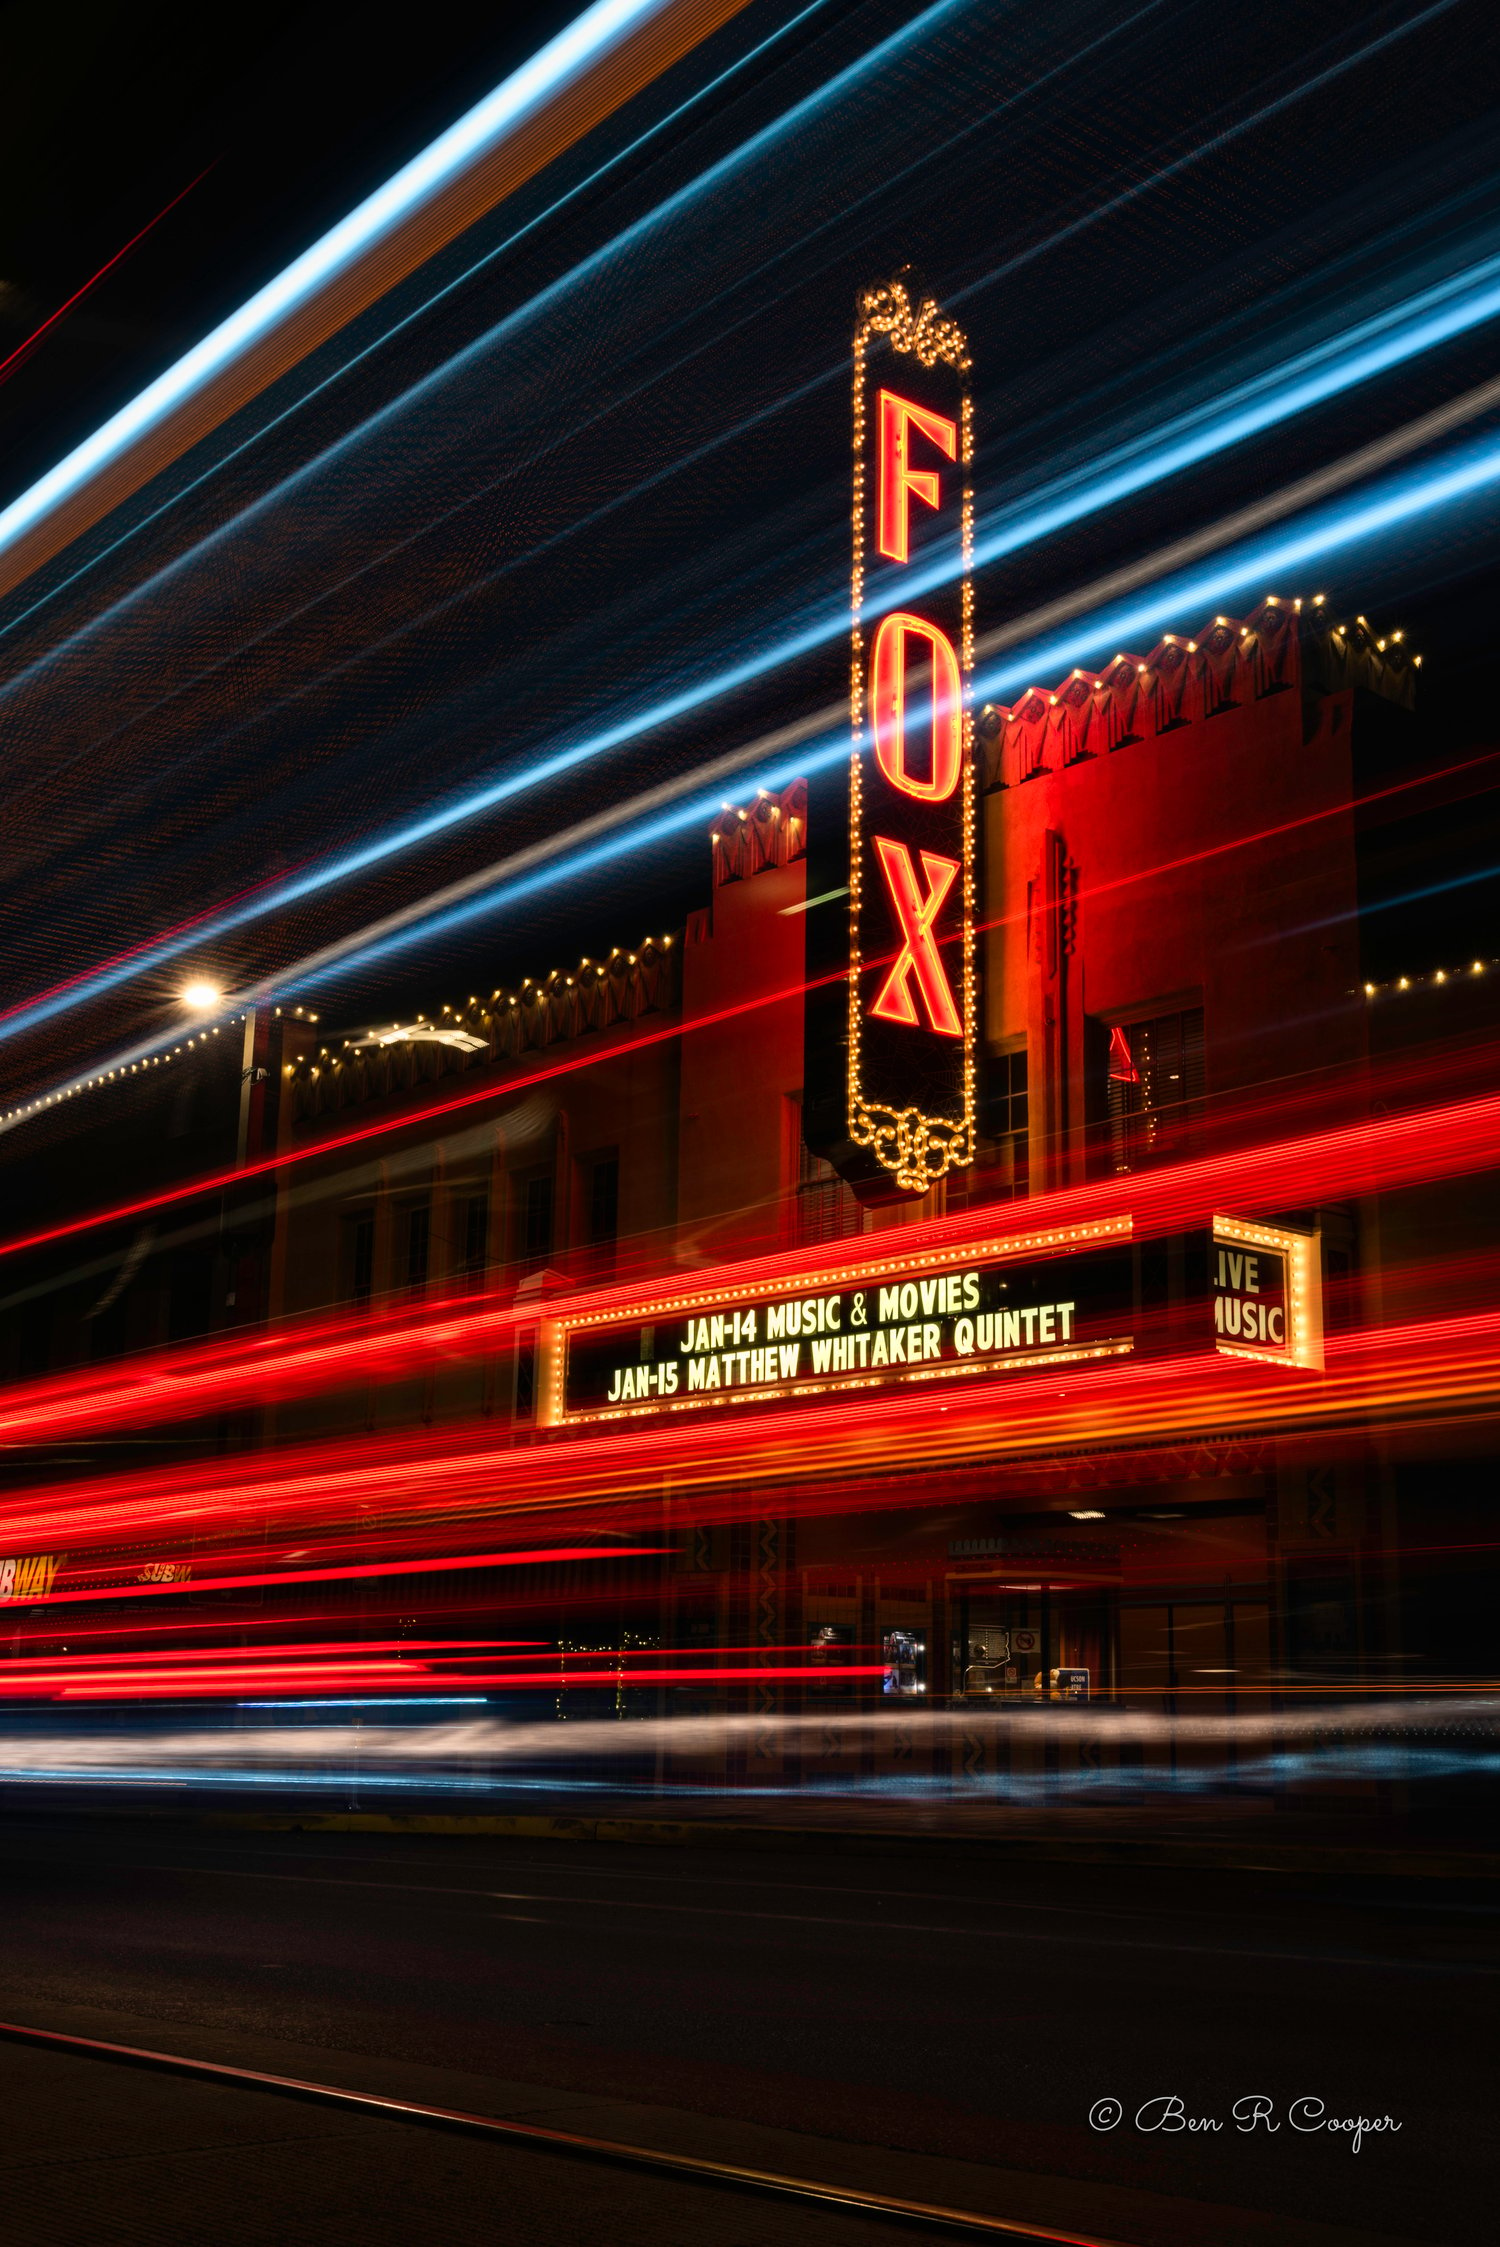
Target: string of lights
(500,1026)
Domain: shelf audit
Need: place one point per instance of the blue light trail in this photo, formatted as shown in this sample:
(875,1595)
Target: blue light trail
(384,1701)
(1446,483)
(1253,563)
(419,312)
(1375,346)
(1408,330)
(716,176)
(1438,315)
(592,36)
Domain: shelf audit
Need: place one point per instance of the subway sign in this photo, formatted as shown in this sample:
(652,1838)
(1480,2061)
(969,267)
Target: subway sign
(1053,1298)
(29,1575)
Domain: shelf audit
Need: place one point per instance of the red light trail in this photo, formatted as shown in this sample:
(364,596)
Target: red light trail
(218,1181)
(1409,1375)
(1465,770)
(1350,1159)
(352,1571)
(226,1620)
(165,1681)
(424,1668)
(147,944)
(24,350)
(242,1173)
(307,1650)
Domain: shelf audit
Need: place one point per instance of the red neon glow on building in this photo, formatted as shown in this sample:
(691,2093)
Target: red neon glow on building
(1121,1061)
(1132,895)
(918,958)
(888,664)
(1122,886)
(348,1572)
(1427,1141)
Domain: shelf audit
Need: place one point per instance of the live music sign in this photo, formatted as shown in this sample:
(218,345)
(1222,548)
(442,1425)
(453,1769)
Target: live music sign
(912,998)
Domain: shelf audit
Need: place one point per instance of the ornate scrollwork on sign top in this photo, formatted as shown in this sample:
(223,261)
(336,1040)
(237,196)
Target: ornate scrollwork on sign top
(918,1150)
(927,333)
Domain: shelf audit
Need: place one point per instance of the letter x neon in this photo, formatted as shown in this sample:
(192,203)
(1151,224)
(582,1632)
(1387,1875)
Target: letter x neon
(919,953)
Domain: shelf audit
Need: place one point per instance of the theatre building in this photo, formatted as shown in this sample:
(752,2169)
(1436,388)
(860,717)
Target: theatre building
(995,1244)
(1030,1416)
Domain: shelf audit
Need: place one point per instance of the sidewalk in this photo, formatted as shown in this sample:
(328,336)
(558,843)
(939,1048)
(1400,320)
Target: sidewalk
(1248,1839)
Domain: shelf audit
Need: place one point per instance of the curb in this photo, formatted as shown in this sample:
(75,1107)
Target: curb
(681,1833)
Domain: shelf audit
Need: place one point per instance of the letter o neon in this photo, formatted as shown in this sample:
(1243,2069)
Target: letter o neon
(888,707)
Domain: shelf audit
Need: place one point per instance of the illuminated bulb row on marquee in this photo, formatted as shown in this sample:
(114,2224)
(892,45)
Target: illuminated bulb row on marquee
(1065,1295)
(912,818)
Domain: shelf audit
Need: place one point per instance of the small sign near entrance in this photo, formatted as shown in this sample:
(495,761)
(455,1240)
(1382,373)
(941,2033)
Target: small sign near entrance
(1266,1291)
(905,1658)
(1250,1296)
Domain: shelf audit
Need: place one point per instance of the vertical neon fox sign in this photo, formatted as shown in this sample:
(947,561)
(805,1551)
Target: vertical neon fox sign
(912,812)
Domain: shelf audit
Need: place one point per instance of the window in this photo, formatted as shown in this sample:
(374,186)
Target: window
(1006,1115)
(535,1218)
(189,1295)
(107,1329)
(604,1199)
(473,1232)
(826,1209)
(1156,1087)
(357,1257)
(1201,1645)
(418,1243)
(1339,1292)
(34,1339)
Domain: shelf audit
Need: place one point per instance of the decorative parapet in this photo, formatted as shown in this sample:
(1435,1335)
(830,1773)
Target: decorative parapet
(482,1033)
(1338,656)
(1280,645)
(771,831)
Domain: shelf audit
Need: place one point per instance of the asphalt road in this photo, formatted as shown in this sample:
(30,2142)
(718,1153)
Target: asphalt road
(934,2023)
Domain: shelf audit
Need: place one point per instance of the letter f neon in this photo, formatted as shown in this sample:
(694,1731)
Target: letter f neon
(900,483)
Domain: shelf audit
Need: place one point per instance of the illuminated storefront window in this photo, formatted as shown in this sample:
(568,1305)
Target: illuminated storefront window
(1156,1087)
